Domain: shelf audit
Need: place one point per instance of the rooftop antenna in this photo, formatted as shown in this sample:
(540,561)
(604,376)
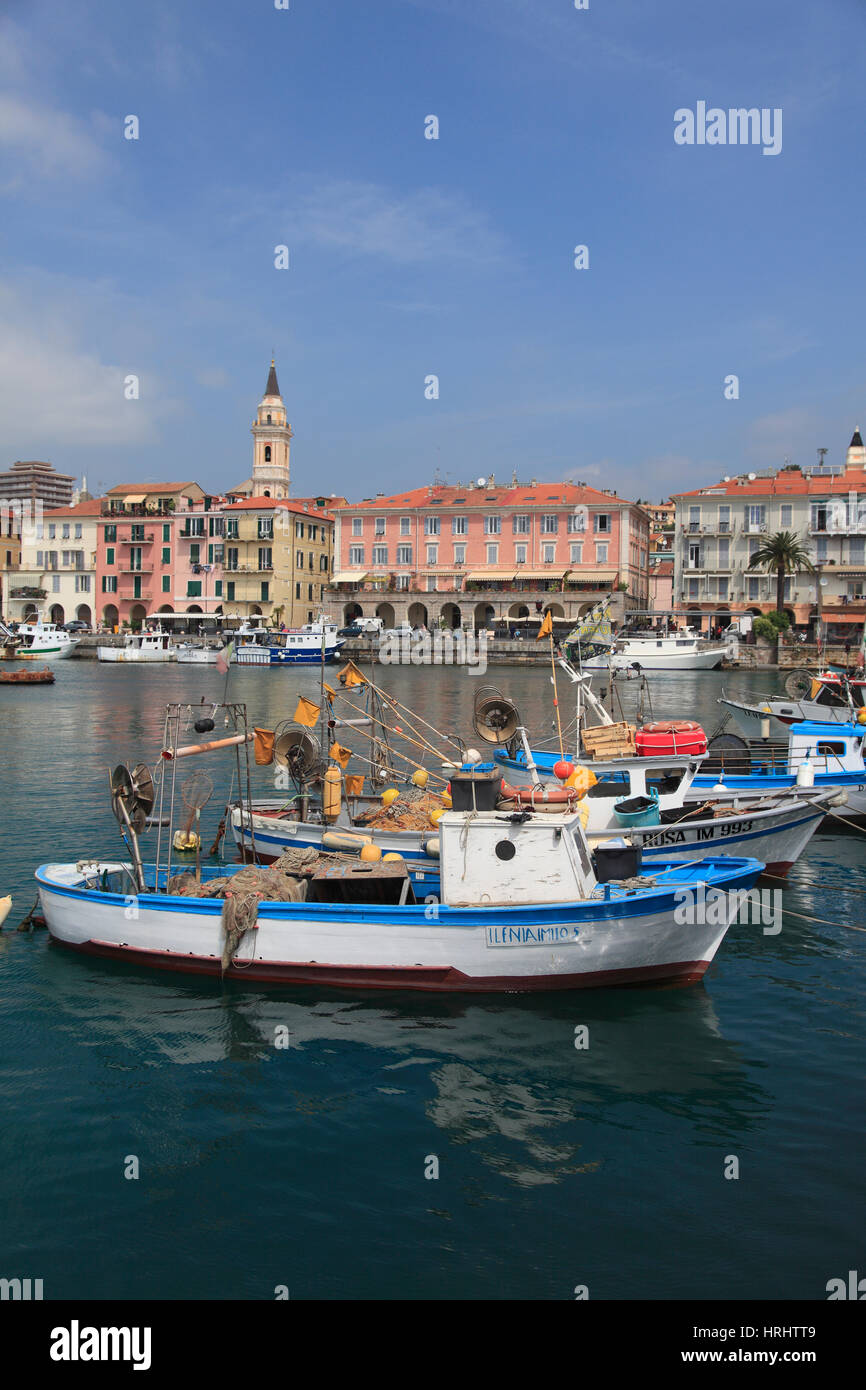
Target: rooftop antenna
(822,453)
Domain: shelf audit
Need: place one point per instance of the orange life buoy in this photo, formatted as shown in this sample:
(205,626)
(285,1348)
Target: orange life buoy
(534,795)
(672,726)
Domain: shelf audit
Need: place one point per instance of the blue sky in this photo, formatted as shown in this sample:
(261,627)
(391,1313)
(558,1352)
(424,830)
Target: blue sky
(412,257)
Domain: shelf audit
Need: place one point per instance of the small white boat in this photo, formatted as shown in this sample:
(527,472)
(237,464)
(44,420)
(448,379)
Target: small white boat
(189,653)
(675,651)
(140,646)
(831,699)
(35,641)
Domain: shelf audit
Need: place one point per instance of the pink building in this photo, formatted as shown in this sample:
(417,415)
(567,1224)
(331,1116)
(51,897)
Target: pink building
(475,555)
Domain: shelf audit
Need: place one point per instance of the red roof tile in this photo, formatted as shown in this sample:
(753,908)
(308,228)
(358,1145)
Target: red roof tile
(556,494)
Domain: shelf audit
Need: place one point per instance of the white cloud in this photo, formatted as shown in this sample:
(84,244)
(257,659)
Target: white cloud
(44,143)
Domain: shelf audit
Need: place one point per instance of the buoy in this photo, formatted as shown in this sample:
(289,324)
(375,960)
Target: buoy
(331,793)
(806,774)
(371,854)
(446,800)
(435,815)
(431,847)
(861,715)
(392,858)
(345,840)
(390,796)
(472,755)
(563,770)
(182,843)
(419,777)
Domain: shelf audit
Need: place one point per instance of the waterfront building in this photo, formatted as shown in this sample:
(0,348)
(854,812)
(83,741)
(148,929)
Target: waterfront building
(10,555)
(277,559)
(34,481)
(719,528)
(661,586)
(485,554)
(57,577)
(272,435)
(142,564)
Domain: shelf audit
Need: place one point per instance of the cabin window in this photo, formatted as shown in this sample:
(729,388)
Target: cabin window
(829,750)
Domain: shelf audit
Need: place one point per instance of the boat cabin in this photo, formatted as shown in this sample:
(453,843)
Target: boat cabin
(513,861)
(829,747)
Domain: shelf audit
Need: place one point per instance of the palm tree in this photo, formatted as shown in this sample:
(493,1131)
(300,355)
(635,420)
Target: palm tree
(781,554)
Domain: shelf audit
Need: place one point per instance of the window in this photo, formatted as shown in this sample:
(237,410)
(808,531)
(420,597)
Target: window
(299,560)
(460,554)
(166,532)
(265,557)
(786,514)
(549,525)
(755,517)
(109,556)
(431,585)
(754,586)
(520,525)
(110,533)
(601,522)
(549,554)
(82,583)
(309,591)
(166,554)
(266,528)
(694,555)
(431,525)
(380,554)
(230,589)
(55,583)
(267,453)
(402,581)
(723,588)
(266,589)
(232,558)
(433,553)
(724,554)
(166,583)
(380,526)
(694,588)
(297,591)
(299,530)
(576,521)
(821,550)
(577,554)
(857,550)
(404,554)
(493,554)
(459,525)
(64,557)
(52,531)
(357,526)
(39,558)
(195,554)
(232,527)
(218,588)
(64,534)
(193,588)
(724,518)
(51,559)
(109,583)
(601,554)
(492,525)
(314,533)
(78,530)
(405,525)
(520,554)
(356,555)
(694,518)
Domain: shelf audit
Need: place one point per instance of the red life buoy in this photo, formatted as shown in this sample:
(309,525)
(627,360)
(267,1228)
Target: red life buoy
(672,726)
(533,795)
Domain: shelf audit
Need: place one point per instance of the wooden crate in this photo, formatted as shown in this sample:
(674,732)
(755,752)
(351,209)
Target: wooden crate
(610,741)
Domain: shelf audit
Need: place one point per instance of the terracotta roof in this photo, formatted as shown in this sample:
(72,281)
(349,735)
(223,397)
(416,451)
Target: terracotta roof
(264,504)
(91,508)
(148,488)
(788,482)
(556,494)
(664,568)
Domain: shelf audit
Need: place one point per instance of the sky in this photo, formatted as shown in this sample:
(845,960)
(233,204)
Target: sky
(412,257)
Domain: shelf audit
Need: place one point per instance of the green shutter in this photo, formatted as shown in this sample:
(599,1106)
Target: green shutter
(166,531)
(109,556)
(166,583)
(166,555)
(218,588)
(230,589)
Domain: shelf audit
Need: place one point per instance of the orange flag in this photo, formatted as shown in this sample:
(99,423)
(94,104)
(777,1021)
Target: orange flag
(350,675)
(339,754)
(307,713)
(354,783)
(546,628)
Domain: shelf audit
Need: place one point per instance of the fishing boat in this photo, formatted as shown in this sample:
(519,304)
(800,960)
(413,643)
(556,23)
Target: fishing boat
(35,641)
(309,645)
(39,675)
(140,646)
(190,654)
(673,651)
(830,697)
(521,904)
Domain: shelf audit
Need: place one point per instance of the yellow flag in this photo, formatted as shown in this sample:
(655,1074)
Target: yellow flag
(340,754)
(546,628)
(306,713)
(354,783)
(330,689)
(350,675)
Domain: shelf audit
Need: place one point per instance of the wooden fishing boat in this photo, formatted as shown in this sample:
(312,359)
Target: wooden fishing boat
(519,903)
(41,675)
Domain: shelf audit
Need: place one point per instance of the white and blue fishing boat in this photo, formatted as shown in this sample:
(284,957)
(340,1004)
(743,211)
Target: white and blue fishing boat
(522,904)
(309,645)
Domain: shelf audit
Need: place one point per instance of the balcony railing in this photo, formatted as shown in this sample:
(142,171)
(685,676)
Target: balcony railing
(144,597)
(143,568)
(130,539)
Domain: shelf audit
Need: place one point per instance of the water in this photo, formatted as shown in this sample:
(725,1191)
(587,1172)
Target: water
(305,1166)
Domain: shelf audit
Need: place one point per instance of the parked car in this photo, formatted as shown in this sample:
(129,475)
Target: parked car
(353,630)
(77,626)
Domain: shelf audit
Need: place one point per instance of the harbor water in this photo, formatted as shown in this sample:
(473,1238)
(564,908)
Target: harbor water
(350,1145)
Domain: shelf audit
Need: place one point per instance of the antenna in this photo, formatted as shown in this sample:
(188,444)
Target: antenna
(822,454)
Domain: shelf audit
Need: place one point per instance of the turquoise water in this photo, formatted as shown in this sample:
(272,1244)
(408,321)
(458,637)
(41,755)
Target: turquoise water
(305,1166)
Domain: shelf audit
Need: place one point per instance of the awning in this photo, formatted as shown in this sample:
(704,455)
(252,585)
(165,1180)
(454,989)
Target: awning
(135,497)
(488,575)
(853,619)
(349,577)
(599,577)
(552,573)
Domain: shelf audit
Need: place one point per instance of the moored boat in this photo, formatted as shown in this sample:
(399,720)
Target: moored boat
(140,647)
(309,645)
(39,675)
(36,641)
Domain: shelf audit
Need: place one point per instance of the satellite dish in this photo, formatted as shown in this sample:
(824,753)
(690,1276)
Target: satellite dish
(494,717)
(752,477)
(726,478)
(296,749)
(482,482)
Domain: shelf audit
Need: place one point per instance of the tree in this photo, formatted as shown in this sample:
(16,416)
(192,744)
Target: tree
(781,554)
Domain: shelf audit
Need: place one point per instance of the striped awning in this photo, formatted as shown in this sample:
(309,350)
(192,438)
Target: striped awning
(488,575)
(349,577)
(552,573)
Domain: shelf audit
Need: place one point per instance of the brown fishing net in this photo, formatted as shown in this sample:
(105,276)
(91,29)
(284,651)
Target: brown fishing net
(411,811)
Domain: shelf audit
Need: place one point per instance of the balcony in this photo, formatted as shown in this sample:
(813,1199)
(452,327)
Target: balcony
(144,568)
(130,539)
(144,597)
(251,569)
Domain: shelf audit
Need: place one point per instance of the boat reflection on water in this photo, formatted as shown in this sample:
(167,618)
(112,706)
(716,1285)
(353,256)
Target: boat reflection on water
(502,1076)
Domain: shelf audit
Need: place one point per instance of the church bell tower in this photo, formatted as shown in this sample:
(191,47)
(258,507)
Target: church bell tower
(271,436)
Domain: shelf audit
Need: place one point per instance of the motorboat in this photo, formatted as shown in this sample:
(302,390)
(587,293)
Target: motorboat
(140,646)
(682,650)
(36,641)
(309,645)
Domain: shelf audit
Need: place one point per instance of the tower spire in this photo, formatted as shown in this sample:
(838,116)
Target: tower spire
(272,388)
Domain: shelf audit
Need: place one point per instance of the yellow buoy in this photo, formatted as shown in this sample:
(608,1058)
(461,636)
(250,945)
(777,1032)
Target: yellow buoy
(861,715)
(331,792)
(371,854)
(446,799)
(392,858)
(420,777)
(435,815)
(390,796)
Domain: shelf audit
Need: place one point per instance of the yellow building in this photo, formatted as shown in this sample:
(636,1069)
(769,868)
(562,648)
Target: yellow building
(10,555)
(278,560)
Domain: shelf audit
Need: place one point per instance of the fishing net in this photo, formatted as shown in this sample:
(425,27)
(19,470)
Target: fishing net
(411,811)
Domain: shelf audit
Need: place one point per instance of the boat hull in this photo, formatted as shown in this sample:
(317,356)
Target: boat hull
(133,654)
(280,656)
(595,942)
(665,661)
(781,714)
